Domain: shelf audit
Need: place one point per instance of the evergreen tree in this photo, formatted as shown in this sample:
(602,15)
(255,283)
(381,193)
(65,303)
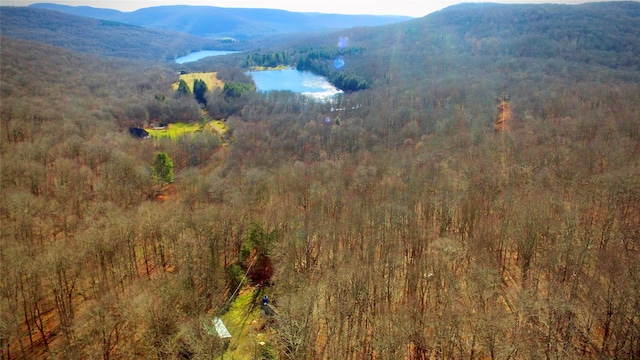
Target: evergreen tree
(235,90)
(183,88)
(163,168)
(199,89)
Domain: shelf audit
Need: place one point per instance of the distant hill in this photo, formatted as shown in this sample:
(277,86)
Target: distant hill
(217,22)
(102,37)
(477,39)
(606,33)
(455,63)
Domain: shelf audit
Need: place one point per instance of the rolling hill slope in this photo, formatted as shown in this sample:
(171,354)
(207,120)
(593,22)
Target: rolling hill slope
(485,37)
(102,37)
(465,56)
(412,228)
(243,24)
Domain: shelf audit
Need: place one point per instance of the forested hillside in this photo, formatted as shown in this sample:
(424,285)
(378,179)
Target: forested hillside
(478,199)
(467,54)
(236,23)
(101,37)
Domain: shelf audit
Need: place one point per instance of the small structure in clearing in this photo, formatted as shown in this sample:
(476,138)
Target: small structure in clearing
(138,133)
(159,126)
(269,310)
(218,329)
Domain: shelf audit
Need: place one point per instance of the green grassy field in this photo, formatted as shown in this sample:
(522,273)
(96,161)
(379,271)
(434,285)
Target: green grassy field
(245,323)
(267,68)
(175,130)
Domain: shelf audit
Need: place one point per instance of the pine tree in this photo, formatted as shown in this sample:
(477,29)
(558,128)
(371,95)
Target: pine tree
(183,88)
(163,169)
(199,89)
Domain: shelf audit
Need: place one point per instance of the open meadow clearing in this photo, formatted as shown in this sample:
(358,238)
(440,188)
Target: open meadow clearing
(209,78)
(175,130)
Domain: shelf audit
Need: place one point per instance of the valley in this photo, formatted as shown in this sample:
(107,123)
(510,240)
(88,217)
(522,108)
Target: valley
(472,191)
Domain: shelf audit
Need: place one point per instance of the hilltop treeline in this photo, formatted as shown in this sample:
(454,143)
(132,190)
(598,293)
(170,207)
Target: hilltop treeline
(471,46)
(231,24)
(101,37)
(403,227)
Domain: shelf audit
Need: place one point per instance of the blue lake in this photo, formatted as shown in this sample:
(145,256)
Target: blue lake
(198,55)
(302,82)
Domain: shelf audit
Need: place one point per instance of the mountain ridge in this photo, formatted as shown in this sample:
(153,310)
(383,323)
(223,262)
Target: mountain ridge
(101,37)
(495,33)
(238,23)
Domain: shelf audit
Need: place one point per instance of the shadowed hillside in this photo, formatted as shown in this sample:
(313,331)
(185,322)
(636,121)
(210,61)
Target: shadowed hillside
(102,37)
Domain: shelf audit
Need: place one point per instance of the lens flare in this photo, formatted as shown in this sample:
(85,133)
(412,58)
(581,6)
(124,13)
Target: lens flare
(338,63)
(343,42)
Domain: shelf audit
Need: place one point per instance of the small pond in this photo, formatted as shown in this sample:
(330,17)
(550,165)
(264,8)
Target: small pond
(302,82)
(198,55)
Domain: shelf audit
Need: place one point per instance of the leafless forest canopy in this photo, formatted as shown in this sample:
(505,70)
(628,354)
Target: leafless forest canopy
(407,227)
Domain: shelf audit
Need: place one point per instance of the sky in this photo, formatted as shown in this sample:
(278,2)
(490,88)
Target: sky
(414,8)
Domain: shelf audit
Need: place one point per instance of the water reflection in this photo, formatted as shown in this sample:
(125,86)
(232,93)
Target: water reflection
(302,82)
(198,55)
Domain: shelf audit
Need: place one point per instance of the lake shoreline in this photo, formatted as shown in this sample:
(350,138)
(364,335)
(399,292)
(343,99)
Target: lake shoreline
(297,81)
(199,55)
